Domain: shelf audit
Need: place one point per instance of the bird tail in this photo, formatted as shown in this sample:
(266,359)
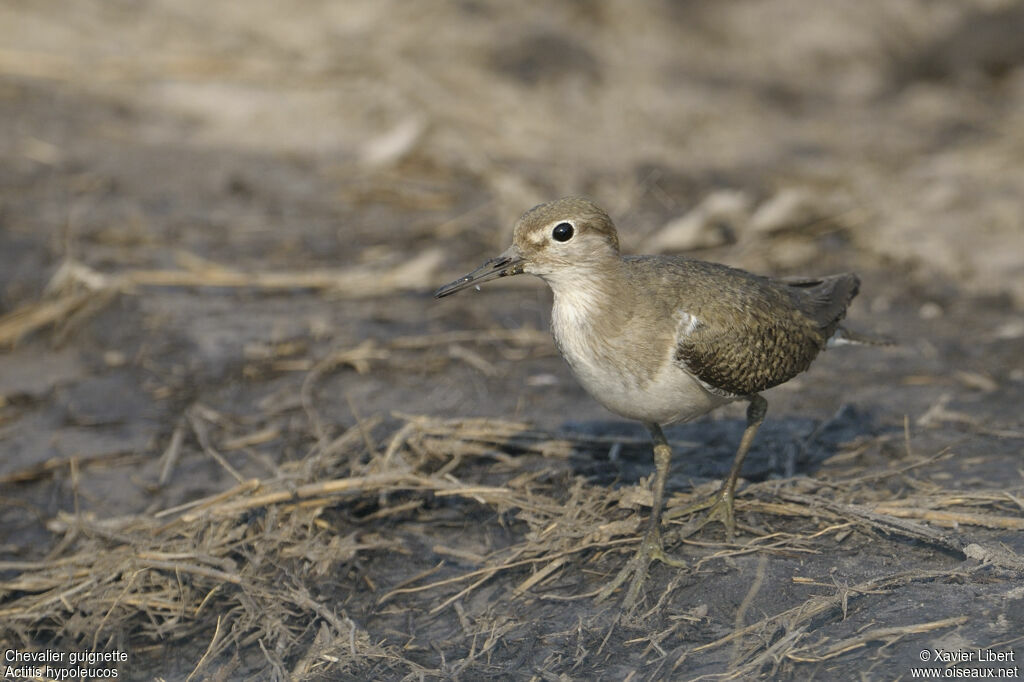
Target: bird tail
(845,337)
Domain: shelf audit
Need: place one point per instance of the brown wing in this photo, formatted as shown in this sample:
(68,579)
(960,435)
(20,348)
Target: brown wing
(823,299)
(762,336)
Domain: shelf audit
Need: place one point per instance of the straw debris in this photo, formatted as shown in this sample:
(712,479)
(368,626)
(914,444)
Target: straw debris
(273,569)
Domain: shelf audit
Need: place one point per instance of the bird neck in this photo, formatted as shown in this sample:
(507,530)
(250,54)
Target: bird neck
(591,296)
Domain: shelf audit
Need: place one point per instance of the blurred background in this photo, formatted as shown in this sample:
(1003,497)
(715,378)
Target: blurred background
(331,133)
(367,152)
(226,219)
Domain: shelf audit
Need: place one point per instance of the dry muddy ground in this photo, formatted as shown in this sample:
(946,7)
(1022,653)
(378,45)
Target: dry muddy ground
(240,440)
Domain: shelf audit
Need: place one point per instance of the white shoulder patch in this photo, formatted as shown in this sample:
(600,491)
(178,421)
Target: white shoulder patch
(687,323)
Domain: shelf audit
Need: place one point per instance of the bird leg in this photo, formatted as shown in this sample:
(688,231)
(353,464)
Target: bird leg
(651,547)
(720,505)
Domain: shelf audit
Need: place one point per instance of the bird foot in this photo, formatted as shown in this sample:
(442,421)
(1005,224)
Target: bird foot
(650,549)
(719,508)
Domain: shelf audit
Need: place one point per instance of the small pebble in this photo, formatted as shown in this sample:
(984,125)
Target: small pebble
(114,358)
(930,311)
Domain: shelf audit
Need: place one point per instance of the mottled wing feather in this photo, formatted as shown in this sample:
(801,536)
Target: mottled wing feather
(750,358)
(764,337)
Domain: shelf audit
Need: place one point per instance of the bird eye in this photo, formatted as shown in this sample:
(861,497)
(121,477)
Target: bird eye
(562,232)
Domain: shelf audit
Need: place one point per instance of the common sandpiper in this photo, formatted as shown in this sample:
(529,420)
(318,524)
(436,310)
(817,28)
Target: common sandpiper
(666,339)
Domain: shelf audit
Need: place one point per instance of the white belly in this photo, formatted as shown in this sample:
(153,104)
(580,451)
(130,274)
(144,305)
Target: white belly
(670,396)
(658,391)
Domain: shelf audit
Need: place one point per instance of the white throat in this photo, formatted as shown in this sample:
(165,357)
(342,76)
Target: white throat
(578,301)
(575,319)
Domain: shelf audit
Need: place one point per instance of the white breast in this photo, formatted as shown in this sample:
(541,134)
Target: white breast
(603,364)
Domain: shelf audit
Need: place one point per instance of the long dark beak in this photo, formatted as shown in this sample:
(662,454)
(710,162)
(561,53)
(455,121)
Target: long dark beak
(508,263)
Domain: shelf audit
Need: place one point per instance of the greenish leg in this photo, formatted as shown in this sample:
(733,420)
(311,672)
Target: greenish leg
(720,505)
(651,547)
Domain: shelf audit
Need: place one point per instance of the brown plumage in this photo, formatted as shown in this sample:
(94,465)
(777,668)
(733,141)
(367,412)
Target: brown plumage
(663,339)
(755,332)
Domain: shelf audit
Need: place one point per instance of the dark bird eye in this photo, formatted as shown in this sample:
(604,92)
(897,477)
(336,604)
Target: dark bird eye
(562,232)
